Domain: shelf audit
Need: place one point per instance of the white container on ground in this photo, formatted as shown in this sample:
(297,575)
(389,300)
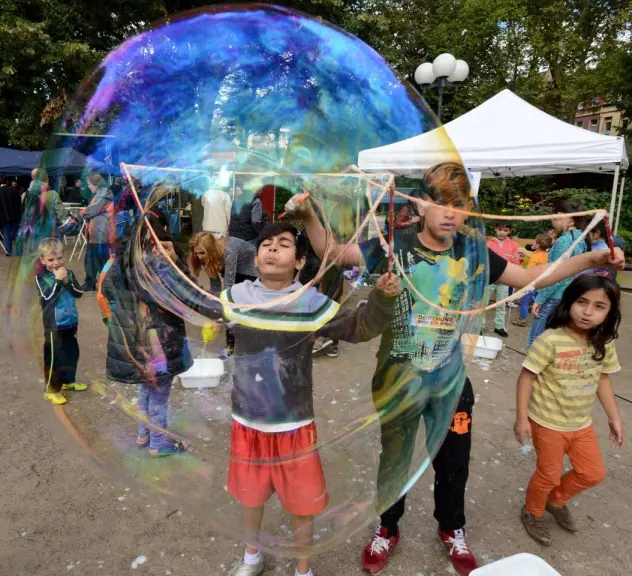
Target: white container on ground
(205,373)
(487,347)
(518,565)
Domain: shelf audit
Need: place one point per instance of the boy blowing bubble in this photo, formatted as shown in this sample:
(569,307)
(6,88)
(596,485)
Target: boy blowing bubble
(273,437)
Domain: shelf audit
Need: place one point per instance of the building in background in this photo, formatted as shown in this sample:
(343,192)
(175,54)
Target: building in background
(599,116)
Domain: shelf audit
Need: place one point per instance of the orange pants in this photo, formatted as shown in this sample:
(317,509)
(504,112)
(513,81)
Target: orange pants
(583,451)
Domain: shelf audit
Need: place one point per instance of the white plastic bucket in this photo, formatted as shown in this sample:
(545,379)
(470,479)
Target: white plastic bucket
(488,347)
(518,565)
(205,373)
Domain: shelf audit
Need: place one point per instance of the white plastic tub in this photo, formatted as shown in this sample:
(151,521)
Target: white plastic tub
(488,347)
(518,565)
(205,373)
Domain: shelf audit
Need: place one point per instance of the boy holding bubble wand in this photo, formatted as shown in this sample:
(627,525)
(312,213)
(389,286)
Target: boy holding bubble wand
(420,371)
(273,438)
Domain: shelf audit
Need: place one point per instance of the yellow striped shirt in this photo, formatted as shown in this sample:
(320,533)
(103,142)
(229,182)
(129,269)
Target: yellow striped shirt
(566,381)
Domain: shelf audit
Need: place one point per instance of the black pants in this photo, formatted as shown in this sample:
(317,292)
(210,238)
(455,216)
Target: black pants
(61,355)
(403,402)
(97,256)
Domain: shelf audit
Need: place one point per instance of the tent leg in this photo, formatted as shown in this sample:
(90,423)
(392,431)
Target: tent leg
(616,222)
(613,196)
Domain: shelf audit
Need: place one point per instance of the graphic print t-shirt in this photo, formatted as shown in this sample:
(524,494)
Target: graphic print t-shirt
(454,279)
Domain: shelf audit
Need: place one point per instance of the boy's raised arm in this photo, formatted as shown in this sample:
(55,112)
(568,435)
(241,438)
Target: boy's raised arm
(351,256)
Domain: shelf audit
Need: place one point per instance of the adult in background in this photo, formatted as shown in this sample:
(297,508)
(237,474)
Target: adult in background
(248,221)
(117,186)
(10,213)
(216,205)
(44,213)
(229,257)
(99,216)
(568,229)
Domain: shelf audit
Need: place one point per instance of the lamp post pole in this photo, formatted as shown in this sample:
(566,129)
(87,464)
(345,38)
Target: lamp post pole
(445,72)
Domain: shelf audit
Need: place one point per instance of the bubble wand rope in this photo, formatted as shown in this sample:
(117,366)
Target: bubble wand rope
(286,300)
(518,294)
(485,216)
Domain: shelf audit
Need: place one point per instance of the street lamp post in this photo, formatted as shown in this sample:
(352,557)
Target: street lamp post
(445,72)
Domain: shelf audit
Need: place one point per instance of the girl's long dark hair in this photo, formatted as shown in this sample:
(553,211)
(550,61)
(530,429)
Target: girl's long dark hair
(568,207)
(605,332)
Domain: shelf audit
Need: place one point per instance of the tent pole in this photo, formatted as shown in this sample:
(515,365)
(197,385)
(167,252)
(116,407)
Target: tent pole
(615,185)
(616,222)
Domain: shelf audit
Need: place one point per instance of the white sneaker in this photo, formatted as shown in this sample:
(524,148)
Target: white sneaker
(243,569)
(321,344)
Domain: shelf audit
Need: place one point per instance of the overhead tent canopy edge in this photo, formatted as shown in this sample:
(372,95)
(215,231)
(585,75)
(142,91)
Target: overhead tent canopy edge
(503,137)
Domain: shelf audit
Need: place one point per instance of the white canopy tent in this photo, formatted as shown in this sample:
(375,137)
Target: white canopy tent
(505,137)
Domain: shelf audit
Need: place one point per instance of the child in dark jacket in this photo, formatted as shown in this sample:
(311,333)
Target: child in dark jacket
(273,437)
(147,343)
(58,289)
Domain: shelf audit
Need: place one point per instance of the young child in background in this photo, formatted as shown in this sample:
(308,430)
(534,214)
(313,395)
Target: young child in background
(566,367)
(567,230)
(504,246)
(58,289)
(539,255)
(147,343)
(599,241)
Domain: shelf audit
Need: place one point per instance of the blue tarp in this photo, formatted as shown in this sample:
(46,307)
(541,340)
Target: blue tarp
(18,162)
(56,162)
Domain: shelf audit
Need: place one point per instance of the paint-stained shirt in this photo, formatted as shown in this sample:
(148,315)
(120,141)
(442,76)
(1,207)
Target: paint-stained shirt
(454,279)
(567,377)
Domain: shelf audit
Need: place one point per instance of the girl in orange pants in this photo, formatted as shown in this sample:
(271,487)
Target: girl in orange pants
(567,366)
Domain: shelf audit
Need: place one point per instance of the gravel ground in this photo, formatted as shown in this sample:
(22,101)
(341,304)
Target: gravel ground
(63,512)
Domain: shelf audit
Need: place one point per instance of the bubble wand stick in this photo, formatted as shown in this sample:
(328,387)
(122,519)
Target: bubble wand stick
(391,225)
(606,221)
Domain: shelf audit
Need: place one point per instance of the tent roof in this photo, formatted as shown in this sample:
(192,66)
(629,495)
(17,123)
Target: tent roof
(18,162)
(57,161)
(503,137)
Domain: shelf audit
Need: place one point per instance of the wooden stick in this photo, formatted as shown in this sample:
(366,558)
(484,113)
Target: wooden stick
(606,221)
(391,226)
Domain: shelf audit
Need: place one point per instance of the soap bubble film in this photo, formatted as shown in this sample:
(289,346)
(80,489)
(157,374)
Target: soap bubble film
(259,101)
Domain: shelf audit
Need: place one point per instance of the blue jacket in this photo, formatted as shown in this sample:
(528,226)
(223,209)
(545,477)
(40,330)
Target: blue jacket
(58,300)
(562,244)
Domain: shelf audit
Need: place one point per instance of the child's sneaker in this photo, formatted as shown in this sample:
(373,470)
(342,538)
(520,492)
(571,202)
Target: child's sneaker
(536,527)
(243,569)
(172,449)
(461,556)
(562,516)
(55,398)
(74,386)
(375,555)
(321,344)
(142,441)
(332,351)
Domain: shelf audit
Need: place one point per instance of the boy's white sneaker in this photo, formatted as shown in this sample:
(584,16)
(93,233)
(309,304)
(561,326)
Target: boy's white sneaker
(243,569)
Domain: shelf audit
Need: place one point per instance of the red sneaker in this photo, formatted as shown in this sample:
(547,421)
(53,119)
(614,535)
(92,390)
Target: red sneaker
(461,556)
(375,555)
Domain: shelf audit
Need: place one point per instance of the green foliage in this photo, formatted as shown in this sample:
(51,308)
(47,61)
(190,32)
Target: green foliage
(49,46)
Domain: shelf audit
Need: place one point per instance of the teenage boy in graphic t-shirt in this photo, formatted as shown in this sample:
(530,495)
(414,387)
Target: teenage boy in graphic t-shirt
(420,371)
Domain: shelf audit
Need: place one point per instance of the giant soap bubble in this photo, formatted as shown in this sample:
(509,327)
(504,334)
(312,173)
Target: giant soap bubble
(259,100)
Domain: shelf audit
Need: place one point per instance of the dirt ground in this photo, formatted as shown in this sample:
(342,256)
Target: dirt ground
(63,513)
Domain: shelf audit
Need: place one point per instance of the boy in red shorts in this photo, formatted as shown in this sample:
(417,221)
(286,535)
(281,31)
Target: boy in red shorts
(273,437)
(273,415)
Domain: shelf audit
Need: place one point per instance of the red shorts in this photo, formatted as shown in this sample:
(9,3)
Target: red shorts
(262,463)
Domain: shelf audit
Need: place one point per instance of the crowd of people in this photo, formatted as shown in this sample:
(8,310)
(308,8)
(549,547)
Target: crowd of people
(420,373)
